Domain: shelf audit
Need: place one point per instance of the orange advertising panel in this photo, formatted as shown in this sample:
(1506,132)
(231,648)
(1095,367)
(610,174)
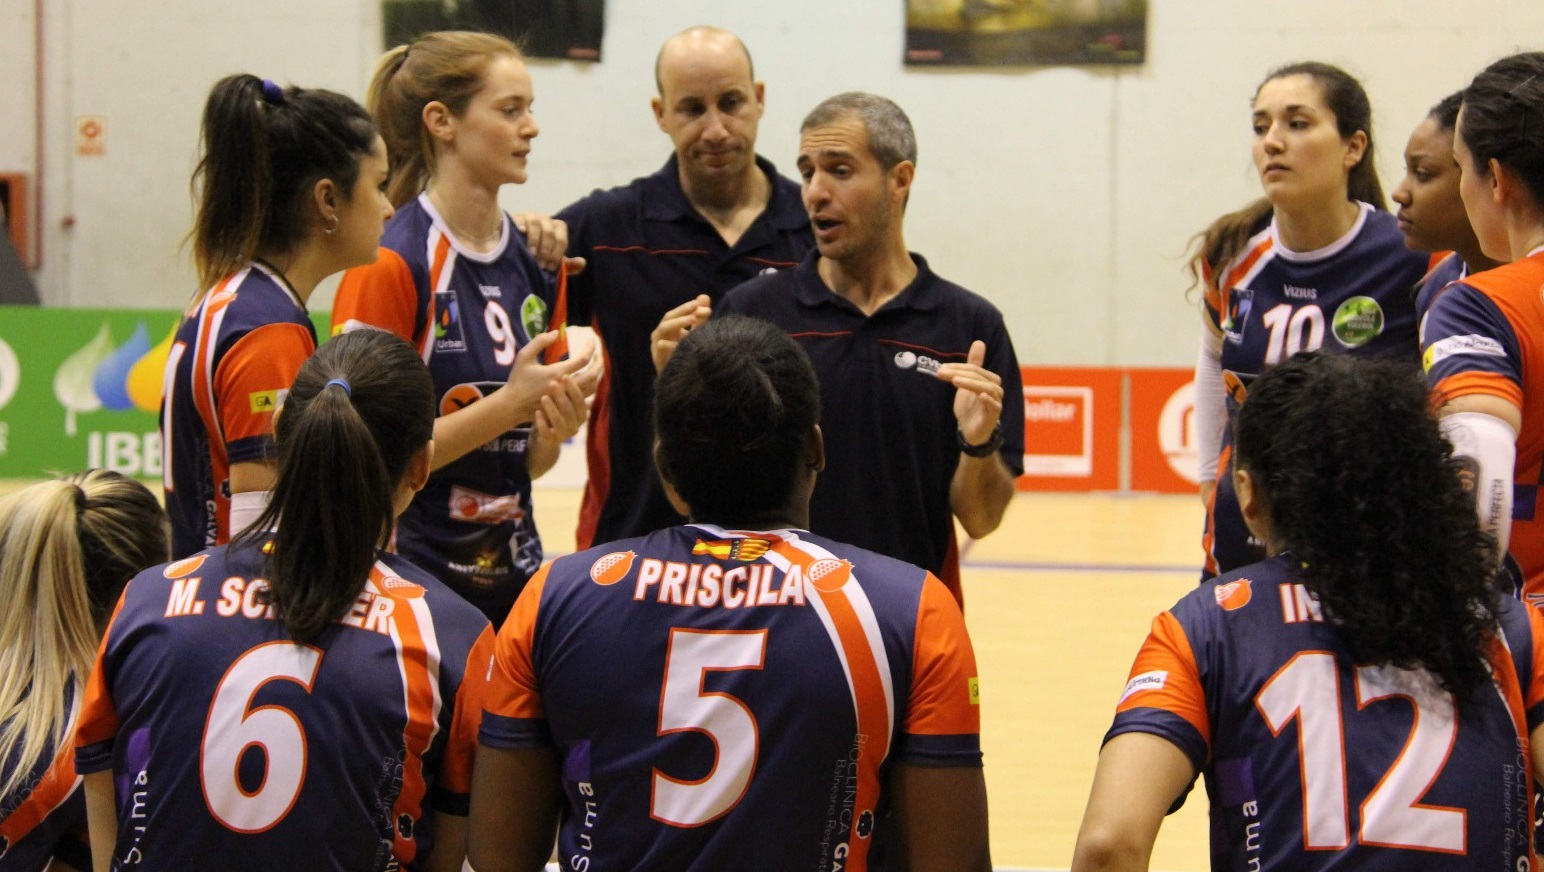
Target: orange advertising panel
(1071,429)
(1163,437)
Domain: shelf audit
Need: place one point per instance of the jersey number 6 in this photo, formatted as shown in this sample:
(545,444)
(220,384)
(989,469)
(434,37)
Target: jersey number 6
(232,728)
(684,705)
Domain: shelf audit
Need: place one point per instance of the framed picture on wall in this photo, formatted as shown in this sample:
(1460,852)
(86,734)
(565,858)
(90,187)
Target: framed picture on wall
(567,29)
(1025,32)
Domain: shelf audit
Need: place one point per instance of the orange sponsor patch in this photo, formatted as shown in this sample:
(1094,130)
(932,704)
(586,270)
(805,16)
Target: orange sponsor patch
(612,567)
(459,397)
(1233,595)
(828,574)
(185,567)
(1234,385)
(401,588)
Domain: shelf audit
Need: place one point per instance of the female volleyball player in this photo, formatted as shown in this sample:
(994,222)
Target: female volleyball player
(1431,213)
(289,192)
(1481,335)
(455,279)
(1316,263)
(67,548)
(735,693)
(1363,698)
(298,698)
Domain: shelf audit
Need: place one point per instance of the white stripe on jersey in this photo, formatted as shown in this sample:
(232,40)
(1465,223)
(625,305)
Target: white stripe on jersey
(425,621)
(856,597)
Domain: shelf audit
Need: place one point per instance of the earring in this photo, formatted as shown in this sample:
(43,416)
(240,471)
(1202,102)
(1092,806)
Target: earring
(333,227)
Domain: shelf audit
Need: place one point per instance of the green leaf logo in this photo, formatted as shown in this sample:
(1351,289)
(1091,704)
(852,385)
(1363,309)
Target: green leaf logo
(72,383)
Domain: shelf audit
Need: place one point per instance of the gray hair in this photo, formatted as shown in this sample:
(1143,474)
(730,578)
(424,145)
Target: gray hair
(890,135)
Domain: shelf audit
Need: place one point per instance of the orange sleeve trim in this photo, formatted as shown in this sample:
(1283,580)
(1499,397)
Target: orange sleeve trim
(1534,692)
(1487,383)
(255,372)
(381,295)
(945,697)
(1165,676)
(513,691)
(461,748)
(98,720)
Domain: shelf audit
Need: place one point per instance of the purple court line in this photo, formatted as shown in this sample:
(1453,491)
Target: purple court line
(1035,566)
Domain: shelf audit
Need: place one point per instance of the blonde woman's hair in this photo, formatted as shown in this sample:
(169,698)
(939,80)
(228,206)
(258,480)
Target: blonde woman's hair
(67,548)
(447,67)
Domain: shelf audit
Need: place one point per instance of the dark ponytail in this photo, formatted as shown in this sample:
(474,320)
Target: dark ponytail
(264,149)
(1220,244)
(359,410)
(1503,119)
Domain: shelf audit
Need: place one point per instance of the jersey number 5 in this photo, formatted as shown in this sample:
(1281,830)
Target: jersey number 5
(232,728)
(1307,690)
(684,705)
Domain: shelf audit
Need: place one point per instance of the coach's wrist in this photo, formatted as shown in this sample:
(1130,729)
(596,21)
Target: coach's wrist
(980,449)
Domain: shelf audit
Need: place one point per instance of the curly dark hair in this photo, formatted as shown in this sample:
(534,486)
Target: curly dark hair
(1360,485)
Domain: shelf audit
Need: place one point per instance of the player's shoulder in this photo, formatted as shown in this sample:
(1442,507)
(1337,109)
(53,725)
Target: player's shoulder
(406,579)
(407,234)
(1248,595)
(1381,241)
(253,298)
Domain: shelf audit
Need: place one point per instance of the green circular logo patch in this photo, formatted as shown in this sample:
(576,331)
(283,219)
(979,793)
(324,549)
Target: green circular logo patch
(1358,321)
(533,316)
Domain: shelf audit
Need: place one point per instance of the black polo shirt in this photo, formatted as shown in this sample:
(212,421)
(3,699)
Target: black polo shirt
(649,250)
(889,424)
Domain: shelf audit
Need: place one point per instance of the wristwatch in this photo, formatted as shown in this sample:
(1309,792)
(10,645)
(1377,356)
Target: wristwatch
(985,449)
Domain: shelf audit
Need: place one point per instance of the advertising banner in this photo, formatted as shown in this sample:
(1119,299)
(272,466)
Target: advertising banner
(1163,438)
(1071,429)
(82,388)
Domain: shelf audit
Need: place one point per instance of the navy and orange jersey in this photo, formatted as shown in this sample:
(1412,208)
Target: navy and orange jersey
(732,700)
(1447,271)
(468,314)
(46,812)
(650,250)
(231,363)
(230,742)
(1485,336)
(1354,296)
(888,421)
(1314,762)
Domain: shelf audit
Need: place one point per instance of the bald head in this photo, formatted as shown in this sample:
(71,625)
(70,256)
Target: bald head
(701,44)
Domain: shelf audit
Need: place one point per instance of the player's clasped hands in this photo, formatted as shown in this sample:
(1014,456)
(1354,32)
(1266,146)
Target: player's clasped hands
(675,325)
(532,382)
(978,400)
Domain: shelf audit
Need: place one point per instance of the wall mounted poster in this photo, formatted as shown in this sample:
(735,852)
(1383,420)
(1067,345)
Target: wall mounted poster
(569,29)
(1025,32)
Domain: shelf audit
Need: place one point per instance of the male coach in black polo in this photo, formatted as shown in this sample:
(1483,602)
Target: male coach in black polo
(714,216)
(922,407)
